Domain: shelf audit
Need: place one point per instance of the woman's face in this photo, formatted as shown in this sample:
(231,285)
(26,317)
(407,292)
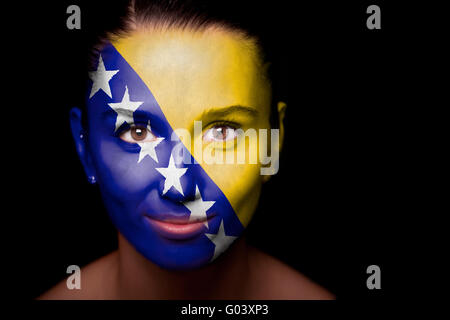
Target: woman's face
(178,213)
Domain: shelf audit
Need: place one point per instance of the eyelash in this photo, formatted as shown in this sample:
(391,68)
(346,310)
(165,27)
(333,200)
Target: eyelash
(209,136)
(231,124)
(129,126)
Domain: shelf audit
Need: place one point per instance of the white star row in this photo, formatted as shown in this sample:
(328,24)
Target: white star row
(125,109)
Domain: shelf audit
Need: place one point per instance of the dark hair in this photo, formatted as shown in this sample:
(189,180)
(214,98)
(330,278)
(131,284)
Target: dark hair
(251,22)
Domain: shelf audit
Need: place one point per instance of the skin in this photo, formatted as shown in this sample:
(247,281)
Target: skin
(206,80)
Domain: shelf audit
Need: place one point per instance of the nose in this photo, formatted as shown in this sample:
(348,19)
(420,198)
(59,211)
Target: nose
(185,193)
(180,177)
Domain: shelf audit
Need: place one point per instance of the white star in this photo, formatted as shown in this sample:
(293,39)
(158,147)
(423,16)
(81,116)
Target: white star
(100,78)
(198,207)
(148,148)
(220,240)
(172,175)
(125,109)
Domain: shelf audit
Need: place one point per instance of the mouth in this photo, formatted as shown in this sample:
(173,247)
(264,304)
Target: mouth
(178,229)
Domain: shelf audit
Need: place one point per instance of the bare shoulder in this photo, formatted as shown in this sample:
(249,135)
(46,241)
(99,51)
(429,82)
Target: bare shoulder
(96,282)
(276,280)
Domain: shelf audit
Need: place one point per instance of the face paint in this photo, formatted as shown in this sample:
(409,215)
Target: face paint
(173,213)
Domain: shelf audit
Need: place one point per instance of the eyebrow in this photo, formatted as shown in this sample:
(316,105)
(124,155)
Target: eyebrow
(225,111)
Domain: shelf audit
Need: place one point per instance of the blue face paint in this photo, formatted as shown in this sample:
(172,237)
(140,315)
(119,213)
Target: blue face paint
(145,185)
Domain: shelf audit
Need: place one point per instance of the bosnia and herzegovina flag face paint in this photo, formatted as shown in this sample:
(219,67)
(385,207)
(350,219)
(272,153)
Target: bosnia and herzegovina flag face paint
(143,88)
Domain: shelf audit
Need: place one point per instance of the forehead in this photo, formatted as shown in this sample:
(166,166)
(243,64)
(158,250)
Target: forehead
(189,71)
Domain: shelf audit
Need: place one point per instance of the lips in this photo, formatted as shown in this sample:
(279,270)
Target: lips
(178,229)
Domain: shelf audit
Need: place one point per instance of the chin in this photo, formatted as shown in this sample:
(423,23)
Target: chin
(179,255)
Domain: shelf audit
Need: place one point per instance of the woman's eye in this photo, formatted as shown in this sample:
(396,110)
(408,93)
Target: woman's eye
(137,134)
(220,133)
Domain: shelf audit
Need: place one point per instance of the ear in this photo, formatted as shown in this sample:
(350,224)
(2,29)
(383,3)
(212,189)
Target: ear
(80,138)
(281,106)
(281,114)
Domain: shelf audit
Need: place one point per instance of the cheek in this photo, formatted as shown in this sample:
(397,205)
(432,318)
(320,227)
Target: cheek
(120,173)
(241,180)
(241,184)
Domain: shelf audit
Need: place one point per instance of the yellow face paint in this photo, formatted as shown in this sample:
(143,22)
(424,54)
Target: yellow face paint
(213,76)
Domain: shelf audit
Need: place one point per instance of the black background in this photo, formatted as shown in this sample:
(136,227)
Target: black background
(336,197)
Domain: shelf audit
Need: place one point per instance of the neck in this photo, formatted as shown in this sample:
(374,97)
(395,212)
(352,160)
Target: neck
(225,278)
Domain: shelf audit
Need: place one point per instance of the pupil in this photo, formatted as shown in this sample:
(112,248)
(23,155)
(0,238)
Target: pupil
(220,133)
(139,133)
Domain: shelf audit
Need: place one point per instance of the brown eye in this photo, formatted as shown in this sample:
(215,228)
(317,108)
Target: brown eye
(220,133)
(138,133)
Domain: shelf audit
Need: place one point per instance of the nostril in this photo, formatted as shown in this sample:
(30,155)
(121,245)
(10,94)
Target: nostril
(189,185)
(184,191)
(190,197)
